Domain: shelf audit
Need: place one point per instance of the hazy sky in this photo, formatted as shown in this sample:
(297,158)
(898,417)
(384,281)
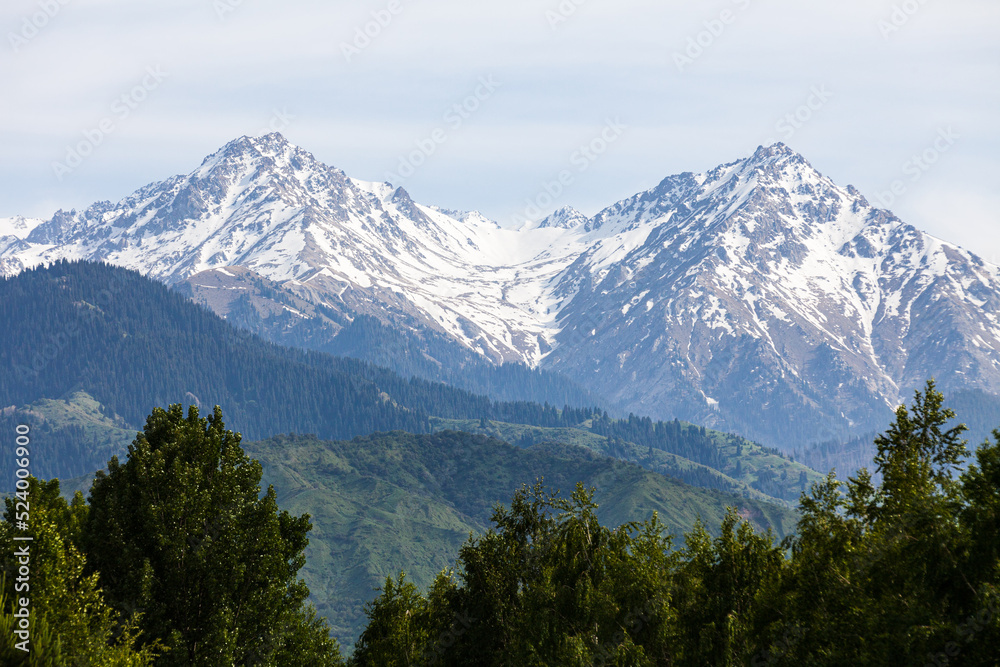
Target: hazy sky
(139,91)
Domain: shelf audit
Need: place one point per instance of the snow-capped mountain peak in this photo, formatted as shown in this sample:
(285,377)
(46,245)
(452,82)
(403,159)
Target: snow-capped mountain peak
(758,296)
(566,217)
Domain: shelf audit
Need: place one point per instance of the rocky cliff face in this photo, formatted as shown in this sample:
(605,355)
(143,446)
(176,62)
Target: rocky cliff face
(759,297)
(764,298)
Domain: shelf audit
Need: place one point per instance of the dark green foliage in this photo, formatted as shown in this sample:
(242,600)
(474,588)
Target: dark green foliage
(130,343)
(722,583)
(180,533)
(398,501)
(906,572)
(891,574)
(546,585)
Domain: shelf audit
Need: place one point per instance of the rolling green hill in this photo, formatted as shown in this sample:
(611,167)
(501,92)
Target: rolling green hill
(397,501)
(746,468)
(68,432)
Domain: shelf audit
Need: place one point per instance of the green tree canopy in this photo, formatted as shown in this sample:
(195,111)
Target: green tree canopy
(902,572)
(181,534)
(70,623)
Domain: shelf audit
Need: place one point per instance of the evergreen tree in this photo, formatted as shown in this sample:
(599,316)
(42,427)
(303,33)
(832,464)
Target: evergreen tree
(891,574)
(904,572)
(547,585)
(721,585)
(181,534)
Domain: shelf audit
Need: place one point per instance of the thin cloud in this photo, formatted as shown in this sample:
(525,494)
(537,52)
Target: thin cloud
(562,77)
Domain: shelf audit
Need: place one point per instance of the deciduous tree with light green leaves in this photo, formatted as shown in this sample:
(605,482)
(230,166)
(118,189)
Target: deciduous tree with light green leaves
(69,622)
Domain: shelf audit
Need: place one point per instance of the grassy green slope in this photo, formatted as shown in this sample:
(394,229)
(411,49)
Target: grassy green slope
(392,502)
(396,501)
(64,432)
(78,427)
(749,470)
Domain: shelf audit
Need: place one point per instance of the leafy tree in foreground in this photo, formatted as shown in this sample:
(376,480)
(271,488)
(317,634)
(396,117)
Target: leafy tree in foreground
(69,621)
(181,534)
(547,585)
(893,575)
(721,586)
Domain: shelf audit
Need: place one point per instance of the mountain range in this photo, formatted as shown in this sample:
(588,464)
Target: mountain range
(87,350)
(92,348)
(758,297)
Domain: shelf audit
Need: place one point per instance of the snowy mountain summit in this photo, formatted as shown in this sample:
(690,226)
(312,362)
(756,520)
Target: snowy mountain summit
(759,296)
(566,217)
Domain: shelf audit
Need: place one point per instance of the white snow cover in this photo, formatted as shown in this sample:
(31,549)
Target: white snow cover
(18,226)
(752,247)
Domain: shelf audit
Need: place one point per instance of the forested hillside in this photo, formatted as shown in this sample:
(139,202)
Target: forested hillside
(905,572)
(131,343)
(396,501)
(714,460)
(120,343)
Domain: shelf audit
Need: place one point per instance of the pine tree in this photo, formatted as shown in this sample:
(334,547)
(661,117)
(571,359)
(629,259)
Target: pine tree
(180,533)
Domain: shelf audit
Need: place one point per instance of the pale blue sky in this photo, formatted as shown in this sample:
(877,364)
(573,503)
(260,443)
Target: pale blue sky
(223,68)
